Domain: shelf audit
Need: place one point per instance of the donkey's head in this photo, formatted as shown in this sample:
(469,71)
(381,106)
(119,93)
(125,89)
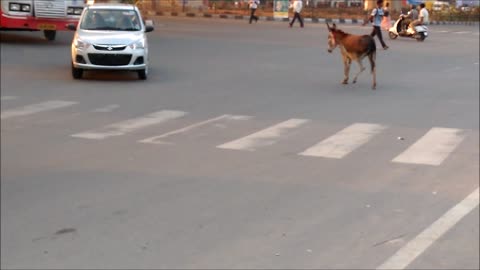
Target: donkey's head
(332,43)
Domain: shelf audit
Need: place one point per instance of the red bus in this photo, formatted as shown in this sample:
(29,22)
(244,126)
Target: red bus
(48,16)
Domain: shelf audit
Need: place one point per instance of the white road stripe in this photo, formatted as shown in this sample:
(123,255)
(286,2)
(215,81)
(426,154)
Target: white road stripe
(452,69)
(264,137)
(157,139)
(108,108)
(462,32)
(8,98)
(36,108)
(130,125)
(345,141)
(425,239)
(433,148)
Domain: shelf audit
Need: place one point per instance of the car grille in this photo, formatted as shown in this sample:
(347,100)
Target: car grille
(110,47)
(50,8)
(109,59)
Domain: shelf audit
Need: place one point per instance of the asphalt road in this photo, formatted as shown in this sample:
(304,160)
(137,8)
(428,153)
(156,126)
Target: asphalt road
(209,163)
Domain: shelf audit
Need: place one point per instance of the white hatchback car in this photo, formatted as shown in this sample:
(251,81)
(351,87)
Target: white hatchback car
(110,37)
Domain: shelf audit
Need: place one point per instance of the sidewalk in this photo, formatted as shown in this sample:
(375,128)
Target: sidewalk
(152,15)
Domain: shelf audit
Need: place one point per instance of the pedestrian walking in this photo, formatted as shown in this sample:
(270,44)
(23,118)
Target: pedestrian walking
(253,7)
(386,22)
(297,6)
(376,19)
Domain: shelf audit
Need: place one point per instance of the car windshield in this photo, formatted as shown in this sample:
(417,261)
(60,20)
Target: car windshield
(108,19)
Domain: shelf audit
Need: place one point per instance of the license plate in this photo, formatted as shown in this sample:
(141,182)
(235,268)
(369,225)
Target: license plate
(47,26)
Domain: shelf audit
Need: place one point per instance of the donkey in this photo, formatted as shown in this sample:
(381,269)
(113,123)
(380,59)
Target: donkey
(353,47)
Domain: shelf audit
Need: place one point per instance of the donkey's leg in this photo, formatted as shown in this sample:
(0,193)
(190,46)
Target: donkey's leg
(346,69)
(359,61)
(372,57)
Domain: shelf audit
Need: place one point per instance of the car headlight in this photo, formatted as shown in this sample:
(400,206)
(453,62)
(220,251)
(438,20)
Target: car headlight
(25,7)
(14,7)
(78,11)
(74,10)
(79,44)
(139,44)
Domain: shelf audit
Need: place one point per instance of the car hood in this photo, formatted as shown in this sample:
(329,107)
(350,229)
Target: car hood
(109,37)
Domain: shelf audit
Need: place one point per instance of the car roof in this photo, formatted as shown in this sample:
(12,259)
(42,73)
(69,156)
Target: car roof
(112,6)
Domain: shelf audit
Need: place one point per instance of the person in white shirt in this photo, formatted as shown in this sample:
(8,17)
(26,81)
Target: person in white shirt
(376,19)
(297,8)
(423,17)
(253,7)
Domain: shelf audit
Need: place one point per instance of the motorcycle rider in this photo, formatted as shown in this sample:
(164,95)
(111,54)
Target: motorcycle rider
(423,17)
(411,16)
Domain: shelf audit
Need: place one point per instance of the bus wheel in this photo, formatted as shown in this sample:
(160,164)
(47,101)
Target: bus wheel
(50,34)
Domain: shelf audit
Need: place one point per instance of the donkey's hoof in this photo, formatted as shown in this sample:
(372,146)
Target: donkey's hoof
(374,87)
(345,82)
(354,81)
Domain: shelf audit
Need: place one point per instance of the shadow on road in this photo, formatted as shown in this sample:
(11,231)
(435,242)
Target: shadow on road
(104,75)
(31,38)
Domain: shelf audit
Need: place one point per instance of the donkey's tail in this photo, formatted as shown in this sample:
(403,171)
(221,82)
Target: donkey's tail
(372,52)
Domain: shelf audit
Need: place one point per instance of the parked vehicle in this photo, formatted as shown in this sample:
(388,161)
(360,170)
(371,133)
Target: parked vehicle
(440,5)
(465,8)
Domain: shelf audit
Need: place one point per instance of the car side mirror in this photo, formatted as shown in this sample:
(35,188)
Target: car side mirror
(71,26)
(149,28)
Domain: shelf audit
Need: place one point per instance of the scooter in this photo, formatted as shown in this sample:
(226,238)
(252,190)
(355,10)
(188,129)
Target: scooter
(420,32)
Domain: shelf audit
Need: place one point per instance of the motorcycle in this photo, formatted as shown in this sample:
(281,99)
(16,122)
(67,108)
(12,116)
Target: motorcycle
(420,32)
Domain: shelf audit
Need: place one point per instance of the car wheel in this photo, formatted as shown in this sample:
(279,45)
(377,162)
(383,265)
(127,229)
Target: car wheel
(143,74)
(77,72)
(50,34)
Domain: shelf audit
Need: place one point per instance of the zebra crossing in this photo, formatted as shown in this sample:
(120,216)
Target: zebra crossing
(433,148)
(160,139)
(131,125)
(8,98)
(344,141)
(36,108)
(265,137)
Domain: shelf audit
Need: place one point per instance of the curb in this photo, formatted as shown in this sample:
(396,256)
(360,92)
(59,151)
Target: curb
(454,23)
(244,17)
(268,18)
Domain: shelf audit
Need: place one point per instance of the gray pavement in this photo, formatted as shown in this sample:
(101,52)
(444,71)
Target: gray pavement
(75,202)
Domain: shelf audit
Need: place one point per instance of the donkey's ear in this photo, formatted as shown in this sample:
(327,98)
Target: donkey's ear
(328,26)
(334,26)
